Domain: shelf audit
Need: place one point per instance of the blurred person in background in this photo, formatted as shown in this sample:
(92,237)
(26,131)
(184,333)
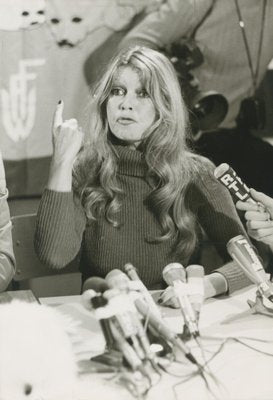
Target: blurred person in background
(7,260)
(235,39)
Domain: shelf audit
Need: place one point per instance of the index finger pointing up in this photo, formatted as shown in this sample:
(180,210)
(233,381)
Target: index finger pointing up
(58,115)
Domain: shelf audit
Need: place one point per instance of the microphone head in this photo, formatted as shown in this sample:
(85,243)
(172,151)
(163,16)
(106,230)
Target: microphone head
(245,254)
(116,273)
(96,283)
(195,271)
(221,169)
(117,279)
(237,188)
(86,298)
(129,267)
(174,272)
(131,271)
(92,300)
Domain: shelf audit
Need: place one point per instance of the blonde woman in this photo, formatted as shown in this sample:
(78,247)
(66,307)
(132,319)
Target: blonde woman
(135,193)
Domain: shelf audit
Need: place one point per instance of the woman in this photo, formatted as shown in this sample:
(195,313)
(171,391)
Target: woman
(7,261)
(138,194)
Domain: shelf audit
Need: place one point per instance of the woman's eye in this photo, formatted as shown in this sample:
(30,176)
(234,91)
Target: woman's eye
(117,92)
(143,93)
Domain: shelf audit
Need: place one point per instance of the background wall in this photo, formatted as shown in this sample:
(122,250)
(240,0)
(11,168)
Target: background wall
(51,50)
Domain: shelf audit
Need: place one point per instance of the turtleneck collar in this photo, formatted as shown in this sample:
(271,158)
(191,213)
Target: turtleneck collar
(130,162)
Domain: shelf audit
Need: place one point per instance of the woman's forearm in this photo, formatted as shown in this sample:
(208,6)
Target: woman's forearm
(59,228)
(60,177)
(215,284)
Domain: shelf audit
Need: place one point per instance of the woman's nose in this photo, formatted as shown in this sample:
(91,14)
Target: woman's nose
(127,103)
(125,107)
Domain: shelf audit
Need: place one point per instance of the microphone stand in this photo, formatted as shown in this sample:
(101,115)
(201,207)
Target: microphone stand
(258,307)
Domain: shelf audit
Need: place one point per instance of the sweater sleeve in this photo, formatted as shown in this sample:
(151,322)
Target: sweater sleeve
(174,19)
(59,229)
(219,218)
(7,260)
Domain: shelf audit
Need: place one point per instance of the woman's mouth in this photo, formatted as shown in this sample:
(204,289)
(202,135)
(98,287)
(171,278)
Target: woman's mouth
(125,121)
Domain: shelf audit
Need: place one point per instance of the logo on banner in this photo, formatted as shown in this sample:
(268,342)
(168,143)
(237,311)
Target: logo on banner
(19,101)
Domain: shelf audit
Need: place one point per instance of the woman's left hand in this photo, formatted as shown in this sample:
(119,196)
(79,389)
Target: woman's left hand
(167,298)
(214,285)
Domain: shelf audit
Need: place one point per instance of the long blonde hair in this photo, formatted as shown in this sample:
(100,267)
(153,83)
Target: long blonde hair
(171,166)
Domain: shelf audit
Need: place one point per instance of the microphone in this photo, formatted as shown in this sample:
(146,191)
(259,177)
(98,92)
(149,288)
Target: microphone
(237,188)
(245,254)
(132,327)
(174,275)
(86,299)
(115,280)
(128,352)
(162,329)
(174,272)
(96,283)
(116,328)
(133,275)
(127,317)
(195,275)
(119,279)
(93,300)
(106,307)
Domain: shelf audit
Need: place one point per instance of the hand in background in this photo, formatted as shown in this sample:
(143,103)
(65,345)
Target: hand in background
(259,219)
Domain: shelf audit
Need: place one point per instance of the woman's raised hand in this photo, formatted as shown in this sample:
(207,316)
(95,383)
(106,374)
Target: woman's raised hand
(67,142)
(67,137)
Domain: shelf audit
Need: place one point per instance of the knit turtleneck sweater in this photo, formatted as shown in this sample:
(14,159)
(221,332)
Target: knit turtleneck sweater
(63,230)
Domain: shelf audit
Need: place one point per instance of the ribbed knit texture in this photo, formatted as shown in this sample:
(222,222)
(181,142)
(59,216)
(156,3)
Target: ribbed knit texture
(62,229)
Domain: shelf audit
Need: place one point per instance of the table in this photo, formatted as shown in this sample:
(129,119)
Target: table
(24,295)
(241,372)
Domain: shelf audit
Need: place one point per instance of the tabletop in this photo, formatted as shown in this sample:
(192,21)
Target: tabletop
(236,343)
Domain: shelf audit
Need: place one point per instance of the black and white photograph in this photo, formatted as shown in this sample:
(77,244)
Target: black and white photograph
(136,199)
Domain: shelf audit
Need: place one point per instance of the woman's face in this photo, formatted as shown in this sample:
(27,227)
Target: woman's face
(130,110)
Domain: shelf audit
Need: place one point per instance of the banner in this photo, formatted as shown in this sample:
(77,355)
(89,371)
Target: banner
(51,50)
